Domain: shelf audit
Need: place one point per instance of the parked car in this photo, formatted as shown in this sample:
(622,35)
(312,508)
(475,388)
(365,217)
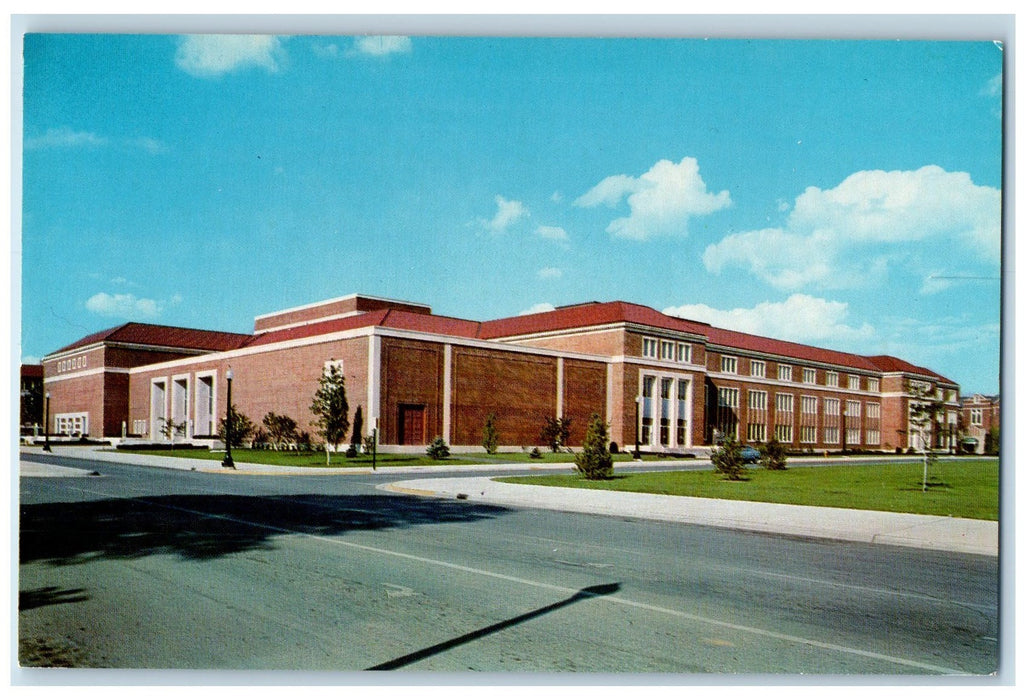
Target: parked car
(749,455)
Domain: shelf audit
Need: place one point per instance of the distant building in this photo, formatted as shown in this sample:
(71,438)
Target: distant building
(665,383)
(980,416)
(31,397)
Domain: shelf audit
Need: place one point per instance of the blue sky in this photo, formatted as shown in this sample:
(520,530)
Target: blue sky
(845,194)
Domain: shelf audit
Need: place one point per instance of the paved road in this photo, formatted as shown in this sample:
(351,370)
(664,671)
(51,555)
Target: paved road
(151,568)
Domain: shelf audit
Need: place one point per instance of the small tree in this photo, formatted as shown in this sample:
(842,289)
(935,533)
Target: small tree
(357,437)
(438,449)
(168,428)
(727,459)
(594,460)
(773,455)
(923,410)
(489,435)
(556,433)
(331,408)
(242,427)
(281,430)
(992,441)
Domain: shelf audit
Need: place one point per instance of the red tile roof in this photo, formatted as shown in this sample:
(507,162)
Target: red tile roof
(888,363)
(162,336)
(771,346)
(307,330)
(585,315)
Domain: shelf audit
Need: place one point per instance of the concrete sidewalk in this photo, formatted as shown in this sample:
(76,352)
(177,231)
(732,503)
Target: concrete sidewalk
(899,529)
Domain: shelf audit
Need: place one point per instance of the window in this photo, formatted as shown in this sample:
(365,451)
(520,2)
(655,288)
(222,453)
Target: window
(807,432)
(665,392)
(757,402)
(976,416)
(853,422)
(728,400)
(783,427)
(73,424)
(682,412)
(667,350)
(831,421)
(683,352)
(808,376)
(872,384)
(333,363)
(729,397)
(832,379)
(649,348)
(758,368)
(853,382)
(647,409)
(784,373)
(785,403)
(728,364)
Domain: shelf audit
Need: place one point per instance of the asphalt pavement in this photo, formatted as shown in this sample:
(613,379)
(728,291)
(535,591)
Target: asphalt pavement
(896,529)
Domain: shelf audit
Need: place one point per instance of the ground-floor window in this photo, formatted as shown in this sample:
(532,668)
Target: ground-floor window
(71,424)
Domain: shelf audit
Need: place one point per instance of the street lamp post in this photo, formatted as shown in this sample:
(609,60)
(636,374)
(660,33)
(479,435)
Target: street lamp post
(228,462)
(637,427)
(46,427)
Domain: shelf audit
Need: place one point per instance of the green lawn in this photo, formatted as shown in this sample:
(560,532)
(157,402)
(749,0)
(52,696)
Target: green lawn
(339,460)
(964,488)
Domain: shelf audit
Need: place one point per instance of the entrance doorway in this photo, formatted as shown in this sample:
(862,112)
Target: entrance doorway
(411,424)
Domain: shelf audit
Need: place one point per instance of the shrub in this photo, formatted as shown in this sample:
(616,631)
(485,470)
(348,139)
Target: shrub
(594,460)
(281,430)
(438,449)
(242,427)
(357,438)
(727,459)
(556,433)
(614,448)
(535,454)
(489,435)
(774,456)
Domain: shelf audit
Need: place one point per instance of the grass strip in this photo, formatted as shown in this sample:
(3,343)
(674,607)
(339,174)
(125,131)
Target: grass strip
(961,488)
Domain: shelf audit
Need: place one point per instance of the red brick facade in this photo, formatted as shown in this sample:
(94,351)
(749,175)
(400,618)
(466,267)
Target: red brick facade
(418,376)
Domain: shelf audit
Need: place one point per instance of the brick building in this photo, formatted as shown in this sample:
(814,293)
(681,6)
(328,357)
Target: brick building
(668,383)
(981,415)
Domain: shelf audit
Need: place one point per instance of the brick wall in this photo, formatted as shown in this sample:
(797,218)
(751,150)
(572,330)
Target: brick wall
(519,389)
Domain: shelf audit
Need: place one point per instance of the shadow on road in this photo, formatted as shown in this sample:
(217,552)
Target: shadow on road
(210,526)
(49,595)
(583,594)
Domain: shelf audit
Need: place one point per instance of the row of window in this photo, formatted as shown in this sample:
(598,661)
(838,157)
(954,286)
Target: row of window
(72,363)
(668,350)
(785,373)
(729,399)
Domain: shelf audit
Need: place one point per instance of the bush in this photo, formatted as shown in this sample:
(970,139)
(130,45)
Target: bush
(594,460)
(727,460)
(438,449)
(535,454)
(242,427)
(614,448)
(774,456)
(281,430)
(556,433)
(489,435)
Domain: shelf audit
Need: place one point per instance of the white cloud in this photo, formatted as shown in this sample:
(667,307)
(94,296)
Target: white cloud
(383,45)
(549,273)
(508,213)
(65,137)
(327,50)
(661,201)
(552,233)
(799,318)
(122,306)
(30,360)
(150,145)
(210,55)
(538,309)
(994,86)
(838,237)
